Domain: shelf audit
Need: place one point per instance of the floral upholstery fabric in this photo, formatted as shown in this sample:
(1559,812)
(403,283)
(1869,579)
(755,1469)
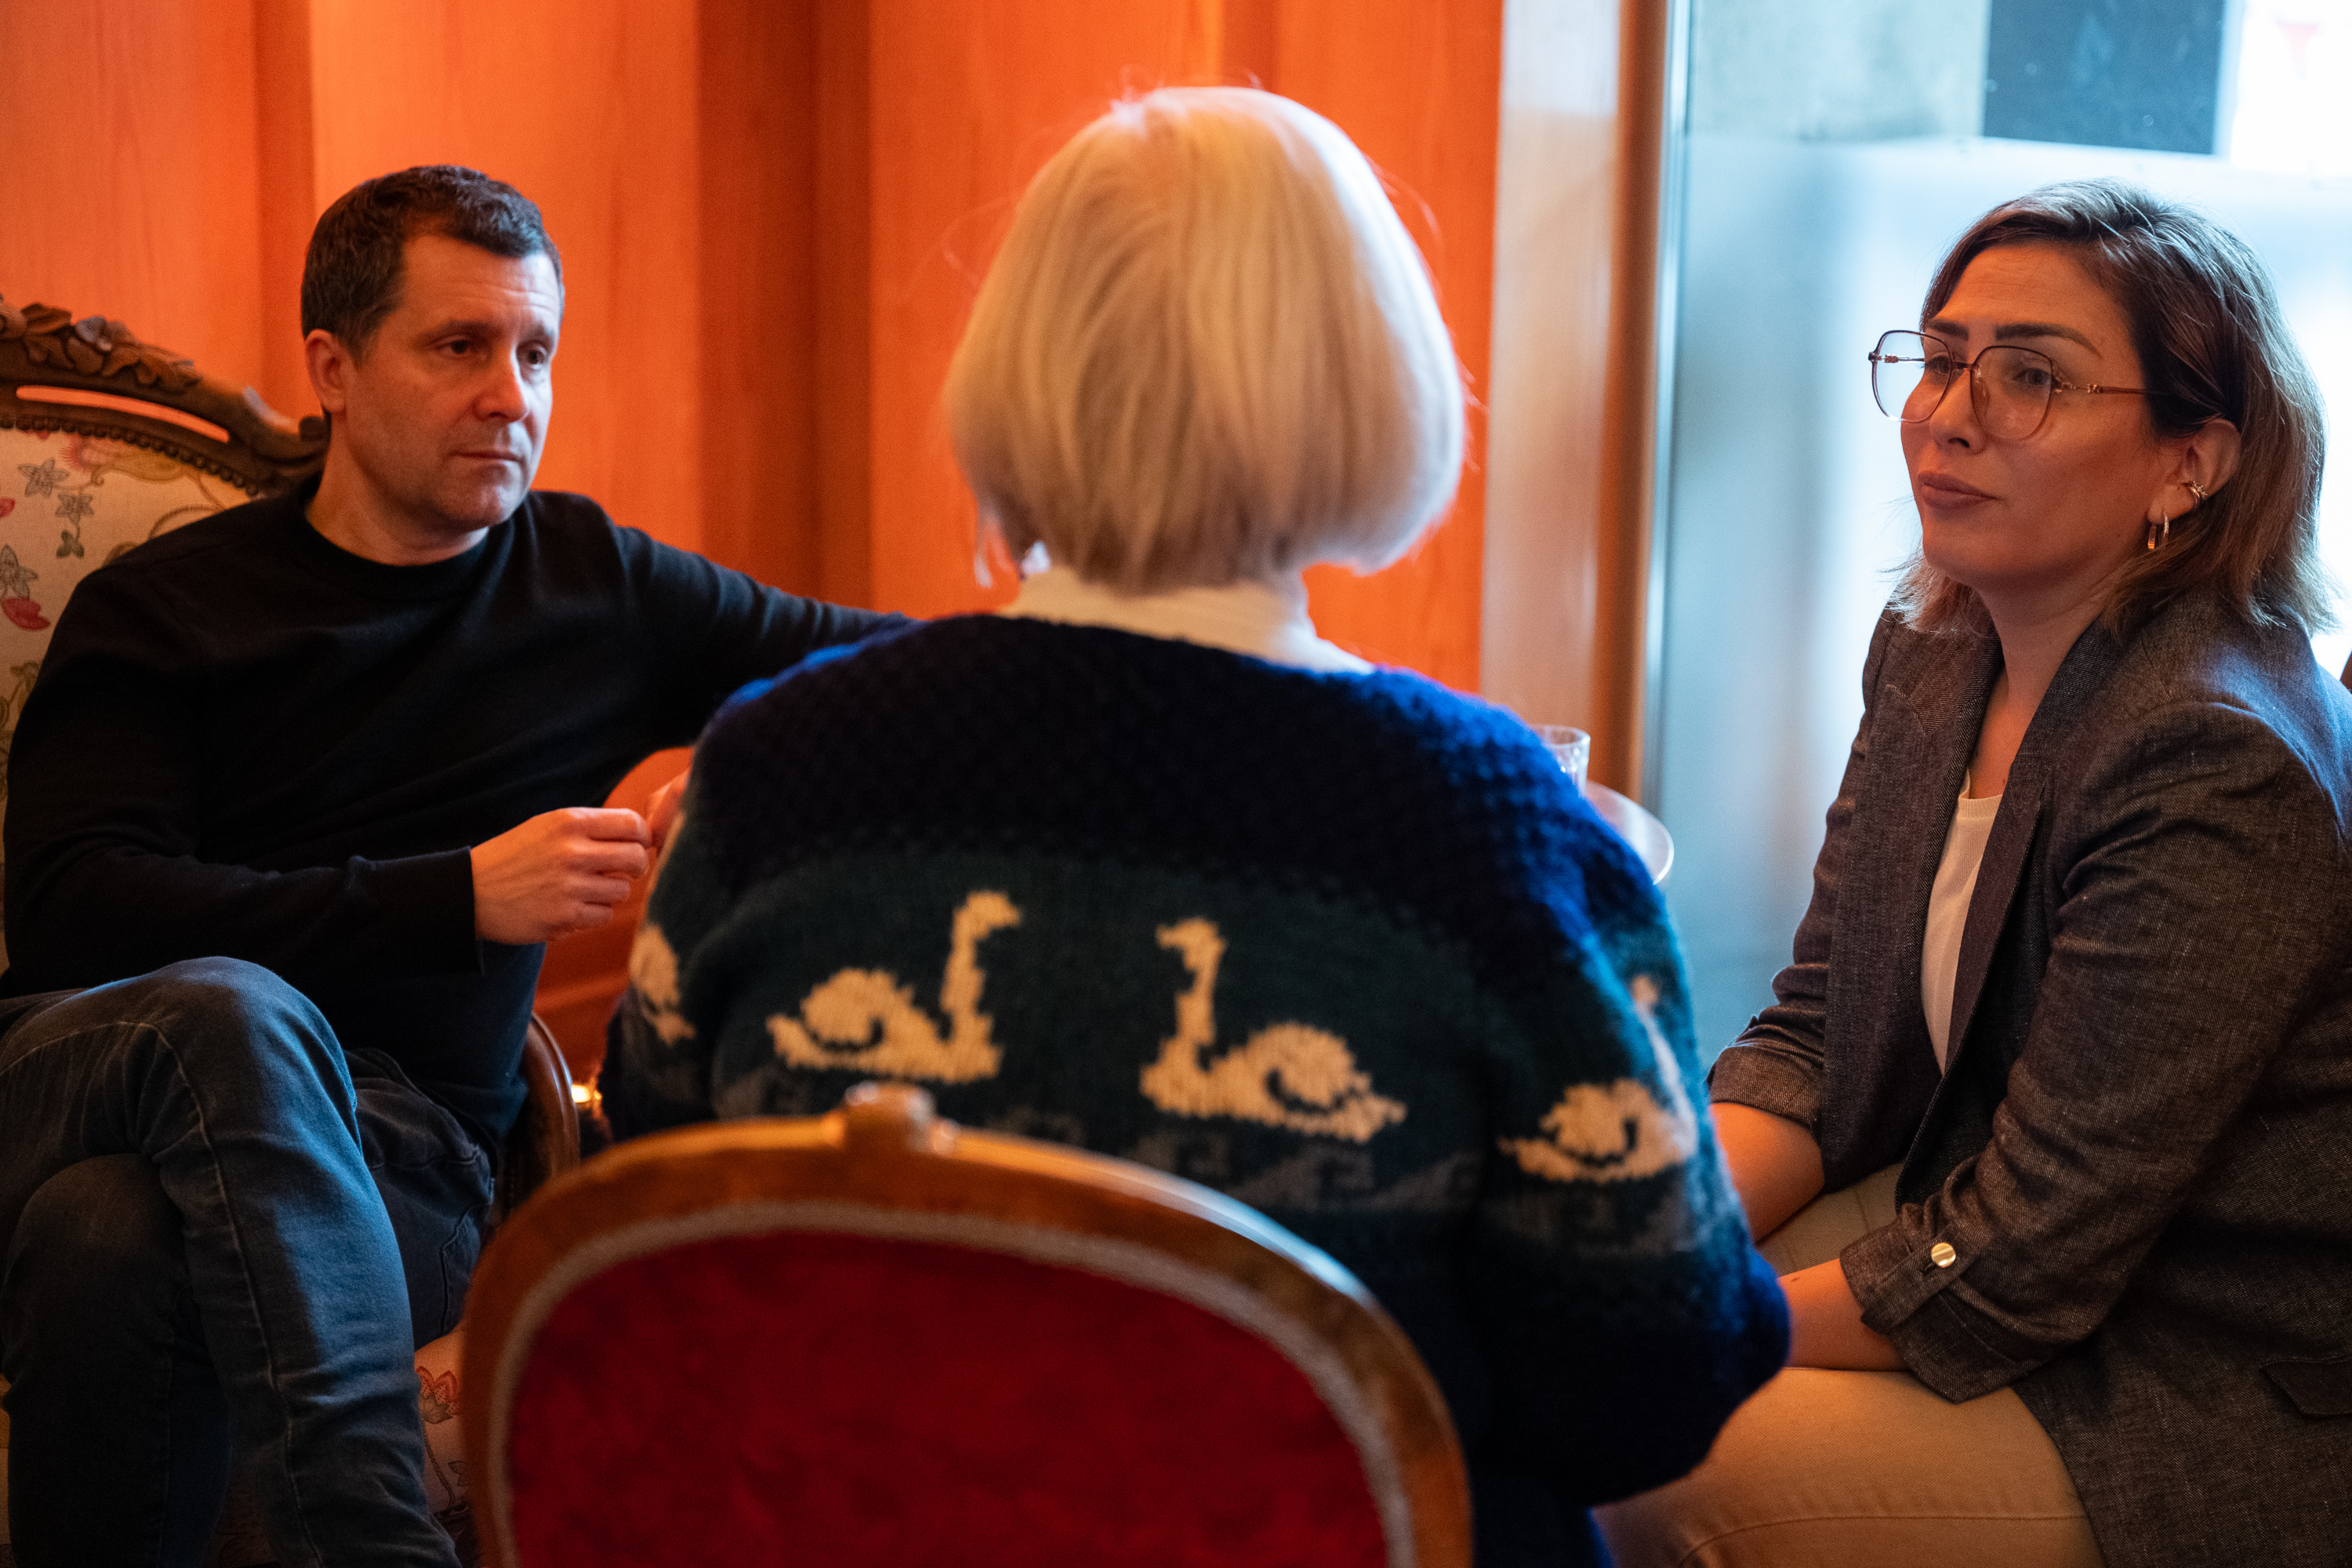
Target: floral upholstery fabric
(69,504)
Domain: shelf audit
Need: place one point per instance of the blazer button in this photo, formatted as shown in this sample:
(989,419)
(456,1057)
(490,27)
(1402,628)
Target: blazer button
(1943,1254)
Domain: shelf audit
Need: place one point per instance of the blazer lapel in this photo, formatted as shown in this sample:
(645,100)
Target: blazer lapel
(1960,1118)
(1924,731)
(2004,858)
(2059,715)
(1945,704)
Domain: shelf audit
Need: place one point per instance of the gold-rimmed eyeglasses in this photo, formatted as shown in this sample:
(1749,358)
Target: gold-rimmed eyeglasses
(2008,386)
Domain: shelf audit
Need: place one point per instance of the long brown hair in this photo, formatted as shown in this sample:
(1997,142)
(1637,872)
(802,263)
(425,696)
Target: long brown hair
(2211,346)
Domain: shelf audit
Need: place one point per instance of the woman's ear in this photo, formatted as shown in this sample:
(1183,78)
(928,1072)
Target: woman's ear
(2207,458)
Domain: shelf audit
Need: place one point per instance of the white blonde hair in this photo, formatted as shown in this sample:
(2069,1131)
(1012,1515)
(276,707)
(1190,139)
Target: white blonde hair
(1208,352)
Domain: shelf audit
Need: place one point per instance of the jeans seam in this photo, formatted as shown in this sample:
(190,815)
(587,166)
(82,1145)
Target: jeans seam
(252,1288)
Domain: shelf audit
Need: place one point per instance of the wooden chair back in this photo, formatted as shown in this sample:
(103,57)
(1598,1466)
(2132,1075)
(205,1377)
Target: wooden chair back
(876,1337)
(544,1143)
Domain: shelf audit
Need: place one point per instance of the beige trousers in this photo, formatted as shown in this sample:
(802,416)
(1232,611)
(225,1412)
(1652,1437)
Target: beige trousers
(1853,1470)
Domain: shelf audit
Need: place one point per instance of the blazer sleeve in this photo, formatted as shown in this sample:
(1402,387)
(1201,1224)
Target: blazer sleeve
(1776,1065)
(2160,1011)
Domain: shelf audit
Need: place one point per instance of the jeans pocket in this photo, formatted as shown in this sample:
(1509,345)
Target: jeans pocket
(436,1184)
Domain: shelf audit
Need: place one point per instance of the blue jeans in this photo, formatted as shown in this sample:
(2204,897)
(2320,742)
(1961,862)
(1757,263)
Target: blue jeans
(215,1228)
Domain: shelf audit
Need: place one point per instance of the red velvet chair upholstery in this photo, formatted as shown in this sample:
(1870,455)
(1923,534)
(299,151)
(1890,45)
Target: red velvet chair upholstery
(876,1338)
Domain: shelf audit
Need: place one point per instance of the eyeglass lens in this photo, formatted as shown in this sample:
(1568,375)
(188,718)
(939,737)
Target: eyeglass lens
(2010,388)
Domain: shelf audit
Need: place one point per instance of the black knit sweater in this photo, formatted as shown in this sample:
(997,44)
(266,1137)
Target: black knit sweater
(248,742)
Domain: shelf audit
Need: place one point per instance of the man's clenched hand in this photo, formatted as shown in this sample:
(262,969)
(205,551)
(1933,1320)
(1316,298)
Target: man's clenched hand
(561,871)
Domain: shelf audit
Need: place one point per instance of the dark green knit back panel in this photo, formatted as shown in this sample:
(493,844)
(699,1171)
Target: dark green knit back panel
(1039,996)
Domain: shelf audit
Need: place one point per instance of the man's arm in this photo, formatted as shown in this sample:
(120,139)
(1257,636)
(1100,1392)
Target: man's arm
(718,629)
(106,792)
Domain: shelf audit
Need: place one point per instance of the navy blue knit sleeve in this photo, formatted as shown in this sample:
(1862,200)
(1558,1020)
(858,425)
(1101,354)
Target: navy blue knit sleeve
(1613,1281)
(658,1061)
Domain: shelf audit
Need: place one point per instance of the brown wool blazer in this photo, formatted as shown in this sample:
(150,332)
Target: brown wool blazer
(2141,1155)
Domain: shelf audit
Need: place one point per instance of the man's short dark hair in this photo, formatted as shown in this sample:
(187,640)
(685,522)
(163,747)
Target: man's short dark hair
(352,277)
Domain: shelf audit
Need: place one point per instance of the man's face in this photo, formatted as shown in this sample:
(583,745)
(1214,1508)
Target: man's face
(444,416)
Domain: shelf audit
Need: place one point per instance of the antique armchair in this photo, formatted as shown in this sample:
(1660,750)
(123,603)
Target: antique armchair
(877,1338)
(107,441)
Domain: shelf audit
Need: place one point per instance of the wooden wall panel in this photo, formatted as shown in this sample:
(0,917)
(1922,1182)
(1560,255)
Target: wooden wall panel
(773,218)
(1419,87)
(1565,607)
(127,128)
(967,103)
(1553,604)
(758,395)
(286,191)
(588,108)
(843,226)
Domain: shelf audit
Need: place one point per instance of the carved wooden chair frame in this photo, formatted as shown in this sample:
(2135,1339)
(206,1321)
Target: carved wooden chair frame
(42,346)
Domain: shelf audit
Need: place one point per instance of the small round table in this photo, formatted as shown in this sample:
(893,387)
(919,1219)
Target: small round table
(1647,835)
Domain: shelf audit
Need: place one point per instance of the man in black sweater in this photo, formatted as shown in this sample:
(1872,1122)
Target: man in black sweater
(301,791)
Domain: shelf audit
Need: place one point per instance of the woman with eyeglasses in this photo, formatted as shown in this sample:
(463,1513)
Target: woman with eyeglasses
(2049,1127)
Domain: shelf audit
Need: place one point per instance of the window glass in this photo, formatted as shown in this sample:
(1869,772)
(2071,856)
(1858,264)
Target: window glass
(1833,150)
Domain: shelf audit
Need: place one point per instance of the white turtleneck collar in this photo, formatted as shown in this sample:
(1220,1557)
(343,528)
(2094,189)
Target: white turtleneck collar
(1266,620)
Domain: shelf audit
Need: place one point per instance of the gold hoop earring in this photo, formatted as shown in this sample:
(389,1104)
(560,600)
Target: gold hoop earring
(2158,533)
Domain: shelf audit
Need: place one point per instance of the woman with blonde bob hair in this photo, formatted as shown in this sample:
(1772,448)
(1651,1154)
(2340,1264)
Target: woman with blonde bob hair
(2050,1120)
(1208,352)
(1206,890)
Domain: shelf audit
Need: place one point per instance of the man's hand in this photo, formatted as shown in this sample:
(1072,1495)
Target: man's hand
(561,871)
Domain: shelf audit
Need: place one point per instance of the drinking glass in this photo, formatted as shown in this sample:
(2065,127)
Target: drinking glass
(1572,748)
